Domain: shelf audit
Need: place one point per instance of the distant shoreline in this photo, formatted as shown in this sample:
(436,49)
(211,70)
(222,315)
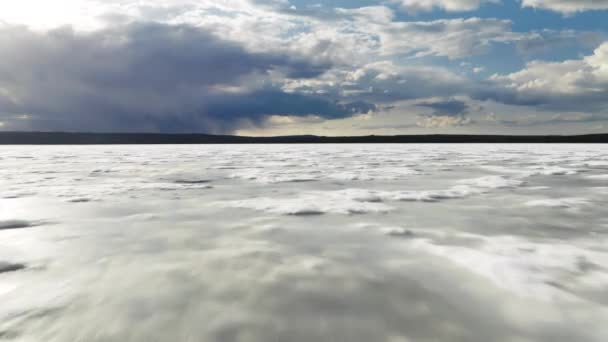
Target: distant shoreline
(67,138)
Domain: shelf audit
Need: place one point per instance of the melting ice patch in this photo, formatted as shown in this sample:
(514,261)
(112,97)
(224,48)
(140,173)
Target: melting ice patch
(540,270)
(328,171)
(464,188)
(263,175)
(10,267)
(572,202)
(398,231)
(529,171)
(316,203)
(553,171)
(17,224)
(360,201)
(492,182)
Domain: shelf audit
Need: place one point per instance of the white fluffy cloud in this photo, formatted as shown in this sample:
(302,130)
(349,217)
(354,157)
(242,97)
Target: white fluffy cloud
(447,5)
(567,6)
(383,82)
(452,38)
(563,6)
(581,77)
(274,25)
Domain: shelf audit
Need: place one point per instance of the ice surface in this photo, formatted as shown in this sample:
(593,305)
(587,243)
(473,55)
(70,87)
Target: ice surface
(16,224)
(558,202)
(315,203)
(542,271)
(468,243)
(9,267)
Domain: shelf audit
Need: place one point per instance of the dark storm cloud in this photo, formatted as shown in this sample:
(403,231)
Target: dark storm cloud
(146,77)
(268,102)
(226,111)
(547,101)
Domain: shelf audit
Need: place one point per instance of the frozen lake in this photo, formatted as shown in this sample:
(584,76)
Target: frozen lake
(305,243)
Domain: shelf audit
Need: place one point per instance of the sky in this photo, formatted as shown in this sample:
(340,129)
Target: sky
(291,67)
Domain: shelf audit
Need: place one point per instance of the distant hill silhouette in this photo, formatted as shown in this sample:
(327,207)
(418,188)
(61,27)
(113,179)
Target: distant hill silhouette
(65,138)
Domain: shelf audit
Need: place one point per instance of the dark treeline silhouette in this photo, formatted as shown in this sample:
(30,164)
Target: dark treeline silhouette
(65,138)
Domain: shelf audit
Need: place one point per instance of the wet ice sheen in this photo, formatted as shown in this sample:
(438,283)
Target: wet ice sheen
(304,243)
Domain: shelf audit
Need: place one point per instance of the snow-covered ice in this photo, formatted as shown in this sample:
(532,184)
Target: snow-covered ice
(263,243)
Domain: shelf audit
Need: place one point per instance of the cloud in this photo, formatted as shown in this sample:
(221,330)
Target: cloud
(571,84)
(567,6)
(443,121)
(447,5)
(373,33)
(322,33)
(330,34)
(151,77)
(220,66)
(385,82)
(554,119)
(452,38)
(449,107)
(445,113)
(549,40)
(275,102)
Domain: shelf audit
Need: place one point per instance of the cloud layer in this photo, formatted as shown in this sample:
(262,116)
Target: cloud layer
(579,83)
(148,77)
(567,6)
(221,67)
(448,5)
